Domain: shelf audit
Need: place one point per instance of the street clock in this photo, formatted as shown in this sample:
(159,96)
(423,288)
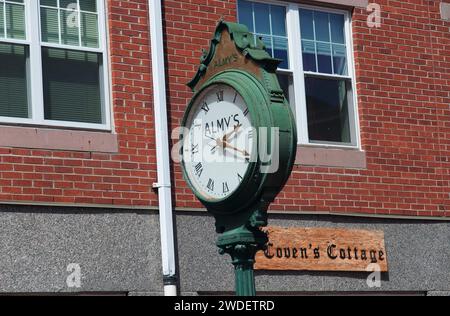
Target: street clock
(239,142)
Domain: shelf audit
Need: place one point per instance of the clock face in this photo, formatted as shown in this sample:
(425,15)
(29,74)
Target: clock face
(218,148)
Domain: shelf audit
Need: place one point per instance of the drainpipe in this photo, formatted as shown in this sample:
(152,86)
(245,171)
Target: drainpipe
(162,149)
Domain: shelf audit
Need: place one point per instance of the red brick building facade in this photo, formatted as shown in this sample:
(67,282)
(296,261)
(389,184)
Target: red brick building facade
(403,102)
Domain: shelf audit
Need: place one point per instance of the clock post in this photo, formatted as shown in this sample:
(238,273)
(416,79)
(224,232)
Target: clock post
(237,81)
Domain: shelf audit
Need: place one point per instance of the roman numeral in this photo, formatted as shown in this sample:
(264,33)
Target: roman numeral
(225,187)
(211,184)
(199,169)
(235,97)
(205,107)
(220,96)
(240,178)
(195,149)
(250,134)
(246,112)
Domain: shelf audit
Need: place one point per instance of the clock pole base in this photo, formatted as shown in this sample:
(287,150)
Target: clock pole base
(242,244)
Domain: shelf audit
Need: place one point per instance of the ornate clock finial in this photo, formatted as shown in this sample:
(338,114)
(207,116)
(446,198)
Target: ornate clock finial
(245,43)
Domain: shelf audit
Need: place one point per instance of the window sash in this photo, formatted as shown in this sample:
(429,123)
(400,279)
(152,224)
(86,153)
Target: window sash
(5,31)
(36,93)
(299,75)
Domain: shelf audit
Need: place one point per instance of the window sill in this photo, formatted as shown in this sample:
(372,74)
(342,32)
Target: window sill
(55,139)
(331,157)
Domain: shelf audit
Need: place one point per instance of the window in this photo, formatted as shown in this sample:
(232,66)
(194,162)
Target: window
(53,63)
(269,23)
(13,60)
(317,69)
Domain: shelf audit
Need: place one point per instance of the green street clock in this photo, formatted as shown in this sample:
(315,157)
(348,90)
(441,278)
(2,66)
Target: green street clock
(239,144)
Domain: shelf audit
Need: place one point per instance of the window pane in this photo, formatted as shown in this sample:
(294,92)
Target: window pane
(327,105)
(49,3)
(88,5)
(262,20)
(49,25)
(15,21)
(306,24)
(2,21)
(69,28)
(287,85)
(322,27)
(68,4)
(246,14)
(89,30)
(281,51)
(309,56)
(13,81)
(337,28)
(278,15)
(72,85)
(267,40)
(340,60)
(324,58)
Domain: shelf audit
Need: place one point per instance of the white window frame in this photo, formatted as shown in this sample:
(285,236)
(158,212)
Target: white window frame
(296,71)
(34,75)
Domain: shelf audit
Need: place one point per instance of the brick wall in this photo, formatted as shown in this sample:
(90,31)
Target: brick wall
(403,94)
(123,178)
(403,79)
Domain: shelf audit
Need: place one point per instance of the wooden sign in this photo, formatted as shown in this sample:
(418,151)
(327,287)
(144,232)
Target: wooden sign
(323,249)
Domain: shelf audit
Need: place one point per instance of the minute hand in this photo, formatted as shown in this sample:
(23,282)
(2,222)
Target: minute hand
(244,152)
(235,130)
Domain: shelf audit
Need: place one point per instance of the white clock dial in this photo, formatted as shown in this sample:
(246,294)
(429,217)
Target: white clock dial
(219,146)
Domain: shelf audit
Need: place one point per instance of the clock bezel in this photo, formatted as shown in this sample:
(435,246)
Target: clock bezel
(255,98)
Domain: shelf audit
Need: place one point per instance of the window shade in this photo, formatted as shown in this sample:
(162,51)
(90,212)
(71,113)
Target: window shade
(13,81)
(72,85)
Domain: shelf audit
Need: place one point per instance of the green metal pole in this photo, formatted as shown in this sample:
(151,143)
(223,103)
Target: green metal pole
(245,279)
(243,260)
(242,244)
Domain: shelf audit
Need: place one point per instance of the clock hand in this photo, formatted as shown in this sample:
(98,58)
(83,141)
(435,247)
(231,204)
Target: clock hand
(214,139)
(226,137)
(244,152)
(217,143)
(213,148)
